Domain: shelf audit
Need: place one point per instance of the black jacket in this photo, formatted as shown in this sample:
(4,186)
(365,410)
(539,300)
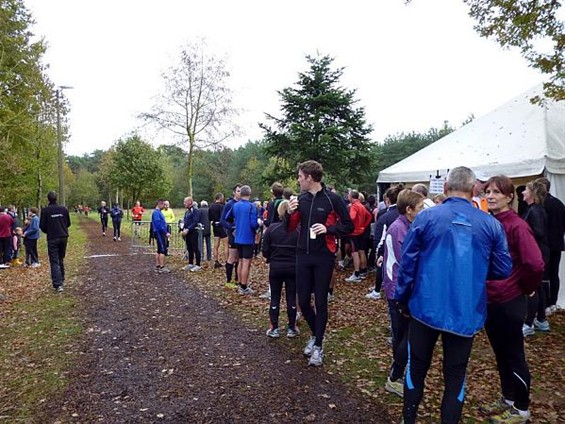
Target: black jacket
(279,245)
(325,208)
(555,223)
(55,221)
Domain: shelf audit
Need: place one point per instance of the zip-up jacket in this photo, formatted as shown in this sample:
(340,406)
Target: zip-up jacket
(244,214)
(158,222)
(536,217)
(32,232)
(55,221)
(360,217)
(117,213)
(272,214)
(555,211)
(447,256)
(325,208)
(228,223)
(191,219)
(279,246)
(394,238)
(527,261)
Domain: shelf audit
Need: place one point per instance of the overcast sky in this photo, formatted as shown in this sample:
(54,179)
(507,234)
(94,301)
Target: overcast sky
(413,66)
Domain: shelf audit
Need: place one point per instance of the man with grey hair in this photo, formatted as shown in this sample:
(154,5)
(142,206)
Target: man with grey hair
(423,190)
(244,214)
(447,256)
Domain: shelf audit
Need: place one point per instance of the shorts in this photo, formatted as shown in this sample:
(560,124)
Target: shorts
(245,251)
(358,243)
(219,231)
(161,244)
(231,240)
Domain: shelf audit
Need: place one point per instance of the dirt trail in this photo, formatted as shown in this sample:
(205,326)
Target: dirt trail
(158,350)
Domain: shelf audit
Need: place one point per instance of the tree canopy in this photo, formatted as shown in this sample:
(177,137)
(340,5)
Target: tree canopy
(321,121)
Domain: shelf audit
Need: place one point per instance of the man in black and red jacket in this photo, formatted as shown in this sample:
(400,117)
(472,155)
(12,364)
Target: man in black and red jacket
(322,216)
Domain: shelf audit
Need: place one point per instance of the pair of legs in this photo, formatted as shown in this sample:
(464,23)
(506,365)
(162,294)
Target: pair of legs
(504,331)
(553,276)
(538,302)
(161,250)
(193,247)
(104,222)
(31,251)
(220,238)
(117,228)
(279,276)
(57,249)
(245,254)
(456,350)
(313,275)
(399,325)
(233,257)
(206,242)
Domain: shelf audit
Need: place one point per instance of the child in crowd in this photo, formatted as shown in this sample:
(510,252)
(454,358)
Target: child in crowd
(16,246)
(31,235)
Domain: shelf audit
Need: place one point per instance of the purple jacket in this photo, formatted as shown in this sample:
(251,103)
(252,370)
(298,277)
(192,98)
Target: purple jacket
(392,252)
(527,261)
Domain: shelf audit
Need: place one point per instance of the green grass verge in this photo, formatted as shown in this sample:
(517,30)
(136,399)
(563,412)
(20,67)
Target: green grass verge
(37,335)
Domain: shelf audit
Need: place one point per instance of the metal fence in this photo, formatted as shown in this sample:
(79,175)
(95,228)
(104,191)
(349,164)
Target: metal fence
(142,237)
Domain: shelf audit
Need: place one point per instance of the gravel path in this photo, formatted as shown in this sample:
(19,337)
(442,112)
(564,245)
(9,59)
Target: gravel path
(157,350)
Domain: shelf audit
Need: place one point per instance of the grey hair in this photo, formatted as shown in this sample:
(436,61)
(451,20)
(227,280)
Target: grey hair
(203,204)
(420,188)
(461,179)
(245,191)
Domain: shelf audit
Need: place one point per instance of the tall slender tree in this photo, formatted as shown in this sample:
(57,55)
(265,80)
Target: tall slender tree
(196,103)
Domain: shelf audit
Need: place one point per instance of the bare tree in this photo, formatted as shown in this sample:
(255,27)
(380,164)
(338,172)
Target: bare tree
(196,102)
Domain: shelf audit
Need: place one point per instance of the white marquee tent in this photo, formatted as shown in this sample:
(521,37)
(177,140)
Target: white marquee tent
(518,139)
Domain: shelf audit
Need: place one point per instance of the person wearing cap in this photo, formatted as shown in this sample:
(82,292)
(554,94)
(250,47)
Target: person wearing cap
(479,200)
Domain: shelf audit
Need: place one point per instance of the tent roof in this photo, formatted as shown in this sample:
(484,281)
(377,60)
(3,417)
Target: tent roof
(517,139)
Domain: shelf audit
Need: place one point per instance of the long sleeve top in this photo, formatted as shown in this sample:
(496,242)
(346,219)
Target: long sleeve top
(527,261)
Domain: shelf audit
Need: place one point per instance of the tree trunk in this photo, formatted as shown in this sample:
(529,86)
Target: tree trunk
(190,163)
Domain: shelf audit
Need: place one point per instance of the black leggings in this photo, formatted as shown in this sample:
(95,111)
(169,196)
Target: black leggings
(104,222)
(192,247)
(117,228)
(31,251)
(313,275)
(277,277)
(456,350)
(504,331)
(553,276)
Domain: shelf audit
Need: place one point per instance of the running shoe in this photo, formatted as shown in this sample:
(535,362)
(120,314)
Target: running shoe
(528,330)
(244,291)
(396,387)
(309,346)
(188,267)
(373,295)
(541,325)
(114,239)
(164,270)
(196,268)
(495,408)
(354,279)
(292,332)
(511,416)
(317,357)
(60,289)
(266,295)
(218,265)
(273,333)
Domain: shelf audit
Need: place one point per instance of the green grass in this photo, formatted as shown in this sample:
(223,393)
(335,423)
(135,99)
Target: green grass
(37,336)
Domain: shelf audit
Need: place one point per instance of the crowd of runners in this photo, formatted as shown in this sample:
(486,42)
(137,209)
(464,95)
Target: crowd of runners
(484,254)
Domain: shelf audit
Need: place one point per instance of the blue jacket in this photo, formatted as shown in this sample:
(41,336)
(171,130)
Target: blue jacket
(117,213)
(191,219)
(158,222)
(244,214)
(227,220)
(32,232)
(447,256)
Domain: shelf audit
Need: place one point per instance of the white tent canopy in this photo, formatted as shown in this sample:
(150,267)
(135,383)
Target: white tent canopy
(518,139)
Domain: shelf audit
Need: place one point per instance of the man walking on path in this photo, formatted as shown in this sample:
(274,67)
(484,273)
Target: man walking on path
(322,216)
(447,256)
(55,222)
(104,211)
(161,236)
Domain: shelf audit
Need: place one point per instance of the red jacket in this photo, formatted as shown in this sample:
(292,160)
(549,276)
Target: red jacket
(360,216)
(527,262)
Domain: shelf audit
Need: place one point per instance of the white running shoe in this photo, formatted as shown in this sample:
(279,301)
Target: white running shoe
(354,279)
(317,357)
(309,346)
(196,268)
(373,295)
